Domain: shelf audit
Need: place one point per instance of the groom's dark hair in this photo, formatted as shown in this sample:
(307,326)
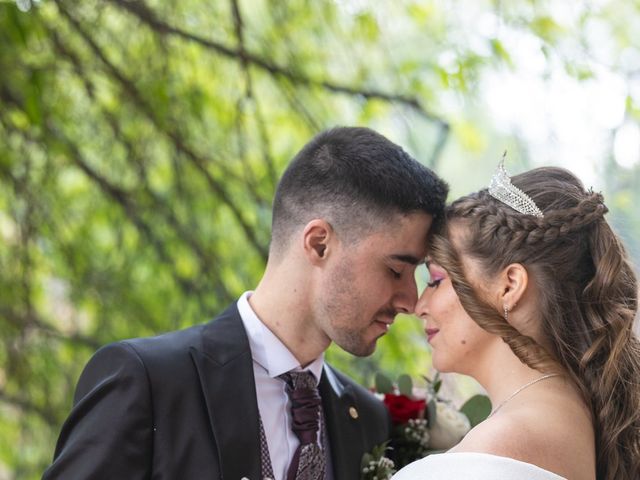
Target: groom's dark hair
(357,180)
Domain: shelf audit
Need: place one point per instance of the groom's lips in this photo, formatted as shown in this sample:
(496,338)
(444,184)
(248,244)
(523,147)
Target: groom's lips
(431,332)
(385,324)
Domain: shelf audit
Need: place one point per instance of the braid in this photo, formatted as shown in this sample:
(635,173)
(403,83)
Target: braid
(587,298)
(498,219)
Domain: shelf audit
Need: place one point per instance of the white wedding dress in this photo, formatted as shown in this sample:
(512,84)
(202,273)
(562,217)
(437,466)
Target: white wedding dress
(472,466)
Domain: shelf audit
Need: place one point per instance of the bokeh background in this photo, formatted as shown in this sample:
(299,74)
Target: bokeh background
(141,141)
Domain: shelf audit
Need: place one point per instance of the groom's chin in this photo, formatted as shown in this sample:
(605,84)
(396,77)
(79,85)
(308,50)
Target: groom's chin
(361,349)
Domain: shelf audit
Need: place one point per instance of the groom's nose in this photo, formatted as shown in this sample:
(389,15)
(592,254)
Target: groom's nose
(405,298)
(420,309)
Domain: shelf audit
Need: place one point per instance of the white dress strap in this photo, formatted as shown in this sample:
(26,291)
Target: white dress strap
(475,466)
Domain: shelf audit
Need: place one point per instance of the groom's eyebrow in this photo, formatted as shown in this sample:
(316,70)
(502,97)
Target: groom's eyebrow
(410,259)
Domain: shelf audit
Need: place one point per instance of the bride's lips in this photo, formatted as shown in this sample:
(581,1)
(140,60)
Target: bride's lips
(431,332)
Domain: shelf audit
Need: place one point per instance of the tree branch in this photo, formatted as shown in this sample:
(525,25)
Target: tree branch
(180,145)
(207,260)
(27,405)
(31,319)
(116,193)
(241,112)
(122,198)
(147,16)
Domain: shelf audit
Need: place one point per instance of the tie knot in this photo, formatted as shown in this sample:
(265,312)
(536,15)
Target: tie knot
(299,380)
(305,405)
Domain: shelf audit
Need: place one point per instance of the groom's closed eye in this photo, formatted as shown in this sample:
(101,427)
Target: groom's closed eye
(400,262)
(409,259)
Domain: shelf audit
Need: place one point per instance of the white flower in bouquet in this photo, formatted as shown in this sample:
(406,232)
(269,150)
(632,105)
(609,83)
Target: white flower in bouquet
(449,428)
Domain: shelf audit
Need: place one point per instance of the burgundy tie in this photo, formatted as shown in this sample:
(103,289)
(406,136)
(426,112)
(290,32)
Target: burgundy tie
(308,461)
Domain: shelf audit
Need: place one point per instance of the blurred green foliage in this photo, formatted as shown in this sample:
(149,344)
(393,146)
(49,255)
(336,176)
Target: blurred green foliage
(142,142)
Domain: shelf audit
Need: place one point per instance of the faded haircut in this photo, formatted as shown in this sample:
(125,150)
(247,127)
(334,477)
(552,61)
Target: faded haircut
(357,180)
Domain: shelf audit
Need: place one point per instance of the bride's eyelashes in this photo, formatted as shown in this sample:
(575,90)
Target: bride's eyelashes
(436,278)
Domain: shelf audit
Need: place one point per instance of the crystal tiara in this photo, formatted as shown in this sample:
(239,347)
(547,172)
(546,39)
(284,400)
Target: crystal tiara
(502,189)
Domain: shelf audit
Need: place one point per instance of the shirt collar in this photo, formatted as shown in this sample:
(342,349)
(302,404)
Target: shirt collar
(267,349)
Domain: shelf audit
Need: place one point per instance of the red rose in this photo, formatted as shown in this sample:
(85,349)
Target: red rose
(403,408)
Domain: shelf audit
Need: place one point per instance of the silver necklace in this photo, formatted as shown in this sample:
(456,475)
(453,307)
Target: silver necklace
(532,382)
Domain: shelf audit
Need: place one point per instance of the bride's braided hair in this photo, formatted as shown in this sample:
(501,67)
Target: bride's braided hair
(588,297)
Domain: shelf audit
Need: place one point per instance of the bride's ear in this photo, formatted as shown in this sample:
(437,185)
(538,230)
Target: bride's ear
(513,282)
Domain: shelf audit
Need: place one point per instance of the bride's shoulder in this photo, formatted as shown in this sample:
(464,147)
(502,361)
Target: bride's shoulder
(506,435)
(546,439)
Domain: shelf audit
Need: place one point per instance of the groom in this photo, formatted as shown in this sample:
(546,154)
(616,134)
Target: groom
(222,400)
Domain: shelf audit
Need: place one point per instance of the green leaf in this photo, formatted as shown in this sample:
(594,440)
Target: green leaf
(14,27)
(432,414)
(383,383)
(405,385)
(470,135)
(368,26)
(477,409)
(546,28)
(422,12)
(436,385)
(33,103)
(500,52)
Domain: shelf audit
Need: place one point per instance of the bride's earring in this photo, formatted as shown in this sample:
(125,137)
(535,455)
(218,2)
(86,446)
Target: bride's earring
(506,313)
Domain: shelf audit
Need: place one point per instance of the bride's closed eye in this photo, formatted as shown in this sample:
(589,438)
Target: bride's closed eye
(436,276)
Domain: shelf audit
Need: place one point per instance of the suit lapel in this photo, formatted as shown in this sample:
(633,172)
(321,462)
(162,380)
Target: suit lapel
(224,365)
(345,432)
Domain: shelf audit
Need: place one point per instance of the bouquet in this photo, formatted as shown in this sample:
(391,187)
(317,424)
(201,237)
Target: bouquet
(422,423)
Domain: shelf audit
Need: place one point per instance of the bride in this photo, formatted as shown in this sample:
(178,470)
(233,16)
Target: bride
(532,295)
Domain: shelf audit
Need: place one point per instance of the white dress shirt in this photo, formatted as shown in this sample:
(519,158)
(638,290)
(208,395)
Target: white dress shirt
(272,358)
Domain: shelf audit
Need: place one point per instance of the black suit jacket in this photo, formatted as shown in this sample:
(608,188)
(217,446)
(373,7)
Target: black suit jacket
(183,406)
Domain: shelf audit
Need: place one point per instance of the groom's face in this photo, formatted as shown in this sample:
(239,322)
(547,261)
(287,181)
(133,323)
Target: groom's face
(369,282)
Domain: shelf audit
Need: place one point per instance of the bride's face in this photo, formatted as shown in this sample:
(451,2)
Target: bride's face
(458,343)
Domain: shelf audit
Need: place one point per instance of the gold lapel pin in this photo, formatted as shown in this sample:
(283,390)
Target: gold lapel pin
(353,412)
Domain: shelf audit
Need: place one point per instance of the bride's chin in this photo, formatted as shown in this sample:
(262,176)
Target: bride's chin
(441,365)
(437,365)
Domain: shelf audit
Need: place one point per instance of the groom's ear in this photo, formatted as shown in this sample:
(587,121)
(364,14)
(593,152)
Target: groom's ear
(513,282)
(317,237)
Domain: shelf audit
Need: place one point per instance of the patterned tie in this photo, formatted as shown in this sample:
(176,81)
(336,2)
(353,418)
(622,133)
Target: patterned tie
(308,461)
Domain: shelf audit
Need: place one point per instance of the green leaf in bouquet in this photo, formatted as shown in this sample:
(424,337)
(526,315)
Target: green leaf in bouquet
(437,382)
(383,383)
(477,409)
(431,412)
(405,385)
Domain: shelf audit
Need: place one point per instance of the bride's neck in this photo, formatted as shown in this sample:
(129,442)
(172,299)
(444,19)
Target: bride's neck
(502,374)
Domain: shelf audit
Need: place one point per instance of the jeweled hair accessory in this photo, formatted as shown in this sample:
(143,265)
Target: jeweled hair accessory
(502,189)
